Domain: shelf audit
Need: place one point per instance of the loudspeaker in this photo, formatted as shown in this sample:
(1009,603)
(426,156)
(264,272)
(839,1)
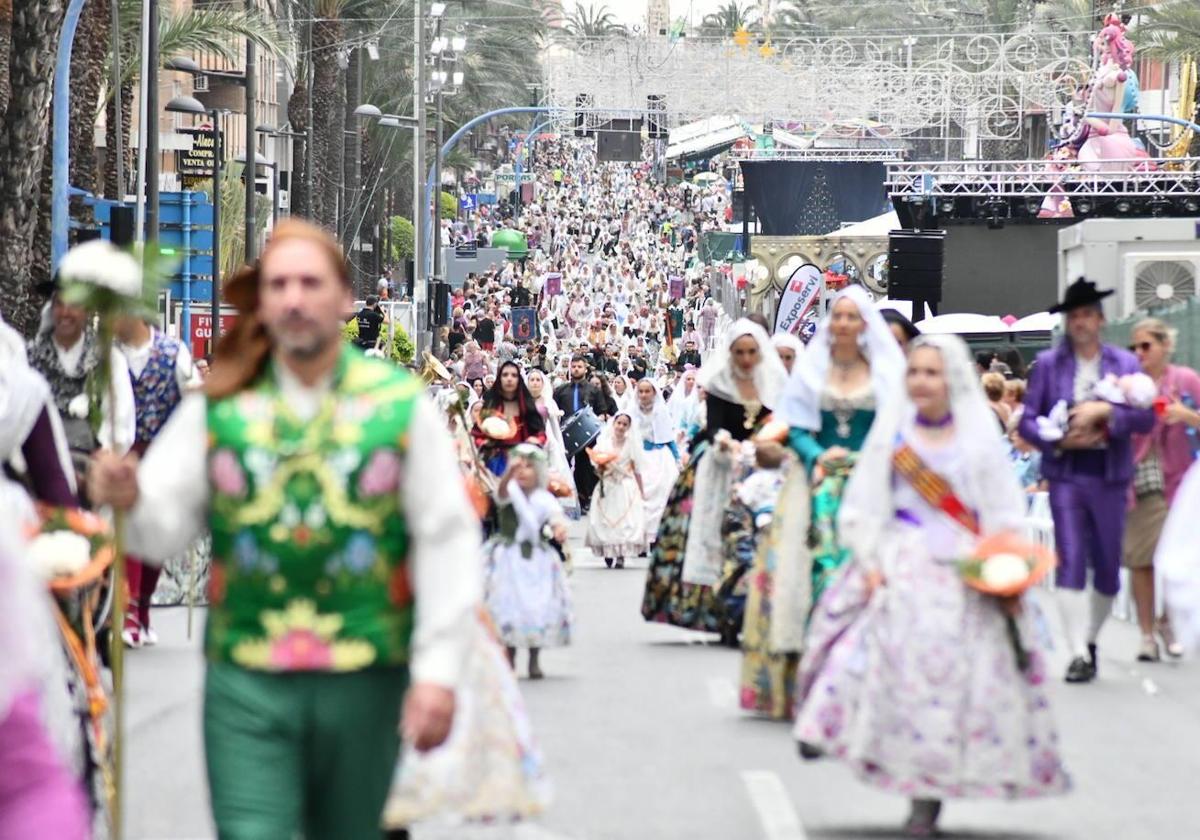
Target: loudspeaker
(583,101)
(121,224)
(915,262)
(439,302)
(410,278)
(656,116)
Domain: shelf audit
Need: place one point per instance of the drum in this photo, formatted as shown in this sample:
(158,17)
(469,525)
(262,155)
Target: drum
(580,429)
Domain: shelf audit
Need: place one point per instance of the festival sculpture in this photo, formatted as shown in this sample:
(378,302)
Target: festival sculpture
(1094,143)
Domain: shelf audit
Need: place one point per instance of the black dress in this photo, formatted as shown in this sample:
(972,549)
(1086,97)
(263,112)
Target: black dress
(730,416)
(667,598)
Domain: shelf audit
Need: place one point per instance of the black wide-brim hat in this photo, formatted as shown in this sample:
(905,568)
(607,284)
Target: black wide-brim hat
(1081,293)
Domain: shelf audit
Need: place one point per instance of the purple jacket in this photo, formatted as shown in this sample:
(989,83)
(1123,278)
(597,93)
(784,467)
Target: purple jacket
(1053,379)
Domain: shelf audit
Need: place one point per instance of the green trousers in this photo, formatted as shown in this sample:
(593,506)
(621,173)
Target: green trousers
(304,755)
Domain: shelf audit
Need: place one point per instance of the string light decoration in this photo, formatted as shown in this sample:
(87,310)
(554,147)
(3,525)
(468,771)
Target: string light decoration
(819,215)
(915,85)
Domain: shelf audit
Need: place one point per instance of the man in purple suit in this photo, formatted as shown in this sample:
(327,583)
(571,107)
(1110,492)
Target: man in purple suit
(1089,467)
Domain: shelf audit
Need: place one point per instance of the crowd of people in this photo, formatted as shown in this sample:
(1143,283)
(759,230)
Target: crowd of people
(826,507)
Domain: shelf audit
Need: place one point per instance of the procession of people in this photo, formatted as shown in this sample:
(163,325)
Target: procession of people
(849,512)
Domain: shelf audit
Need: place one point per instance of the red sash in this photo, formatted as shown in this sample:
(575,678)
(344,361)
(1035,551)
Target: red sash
(932,487)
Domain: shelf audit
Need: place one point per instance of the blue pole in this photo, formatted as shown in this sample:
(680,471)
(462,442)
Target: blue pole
(186,312)
(61,149)
(427,210)
(1157,117)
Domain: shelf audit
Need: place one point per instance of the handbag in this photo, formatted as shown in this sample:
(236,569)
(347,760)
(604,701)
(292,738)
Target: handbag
(1148,476)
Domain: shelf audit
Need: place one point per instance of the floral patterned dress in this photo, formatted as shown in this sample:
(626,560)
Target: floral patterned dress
(916,686)
(667,598)
(768,672)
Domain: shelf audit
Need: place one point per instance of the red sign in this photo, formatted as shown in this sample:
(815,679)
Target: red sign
(200,331)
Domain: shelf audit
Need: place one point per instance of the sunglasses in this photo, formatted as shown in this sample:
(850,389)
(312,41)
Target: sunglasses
(1144,346)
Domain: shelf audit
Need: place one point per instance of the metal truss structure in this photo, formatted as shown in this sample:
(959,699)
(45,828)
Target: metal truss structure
(836,155)
(1142,178)
(980,85)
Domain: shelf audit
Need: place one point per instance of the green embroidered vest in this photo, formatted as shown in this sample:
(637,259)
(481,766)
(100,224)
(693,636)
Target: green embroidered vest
(309,538)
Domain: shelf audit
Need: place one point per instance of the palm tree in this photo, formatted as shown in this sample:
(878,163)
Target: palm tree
(28,44)
(587,22)
(1173,30)
(729,18)
(1174,36)
(219,30)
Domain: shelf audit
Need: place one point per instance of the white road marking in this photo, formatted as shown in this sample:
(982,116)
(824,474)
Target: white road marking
(722,693)
(775,811)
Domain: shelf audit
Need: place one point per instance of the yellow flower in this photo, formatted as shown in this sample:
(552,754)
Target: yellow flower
(301,639)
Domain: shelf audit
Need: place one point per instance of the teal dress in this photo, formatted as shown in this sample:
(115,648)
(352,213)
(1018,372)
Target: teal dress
(845,421)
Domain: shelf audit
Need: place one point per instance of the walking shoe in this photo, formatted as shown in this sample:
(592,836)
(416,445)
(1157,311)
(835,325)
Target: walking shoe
(132,637)
(1093,659)
(149,637)
(608,561)
(1080,671)
(620,564)
(809,752)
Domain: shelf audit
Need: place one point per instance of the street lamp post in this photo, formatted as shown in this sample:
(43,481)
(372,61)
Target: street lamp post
(191,105)
(251,227)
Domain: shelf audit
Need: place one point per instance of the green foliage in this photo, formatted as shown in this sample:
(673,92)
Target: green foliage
(403,240)
(1174,32)
(590,21)
(403,348)
(199,28)
(449,205)
(233,216)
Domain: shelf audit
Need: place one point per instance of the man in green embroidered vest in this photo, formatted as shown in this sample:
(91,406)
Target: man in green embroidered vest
(345,553)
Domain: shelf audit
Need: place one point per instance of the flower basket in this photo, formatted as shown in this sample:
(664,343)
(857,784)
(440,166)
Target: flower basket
(601,458)
(66,574)
(1005,565)
(499,427)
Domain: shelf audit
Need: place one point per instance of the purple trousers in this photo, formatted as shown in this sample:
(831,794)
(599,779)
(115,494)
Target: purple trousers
(1089,524)
(38,798)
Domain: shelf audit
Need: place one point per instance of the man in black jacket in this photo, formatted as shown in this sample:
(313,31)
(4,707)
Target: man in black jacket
(689,356)
(571,397)
(638,364)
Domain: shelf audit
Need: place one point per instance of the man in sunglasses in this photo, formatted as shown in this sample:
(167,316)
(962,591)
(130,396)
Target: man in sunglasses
(1089,466)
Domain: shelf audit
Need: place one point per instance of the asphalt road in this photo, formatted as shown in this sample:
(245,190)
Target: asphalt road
(643,739)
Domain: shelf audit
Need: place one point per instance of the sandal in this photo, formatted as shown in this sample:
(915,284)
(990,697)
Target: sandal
(1172,646)
(1148,652)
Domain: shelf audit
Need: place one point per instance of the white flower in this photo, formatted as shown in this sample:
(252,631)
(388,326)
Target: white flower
(1109,390)
(1139,389)
(100,263)
(1001,570)
(78,407)
(59,554)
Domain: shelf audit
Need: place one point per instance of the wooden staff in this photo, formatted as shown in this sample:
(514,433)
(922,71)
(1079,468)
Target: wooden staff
(120,602)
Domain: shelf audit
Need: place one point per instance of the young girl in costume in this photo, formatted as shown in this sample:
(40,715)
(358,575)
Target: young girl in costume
(526,588)
(909,675)
(617,519)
